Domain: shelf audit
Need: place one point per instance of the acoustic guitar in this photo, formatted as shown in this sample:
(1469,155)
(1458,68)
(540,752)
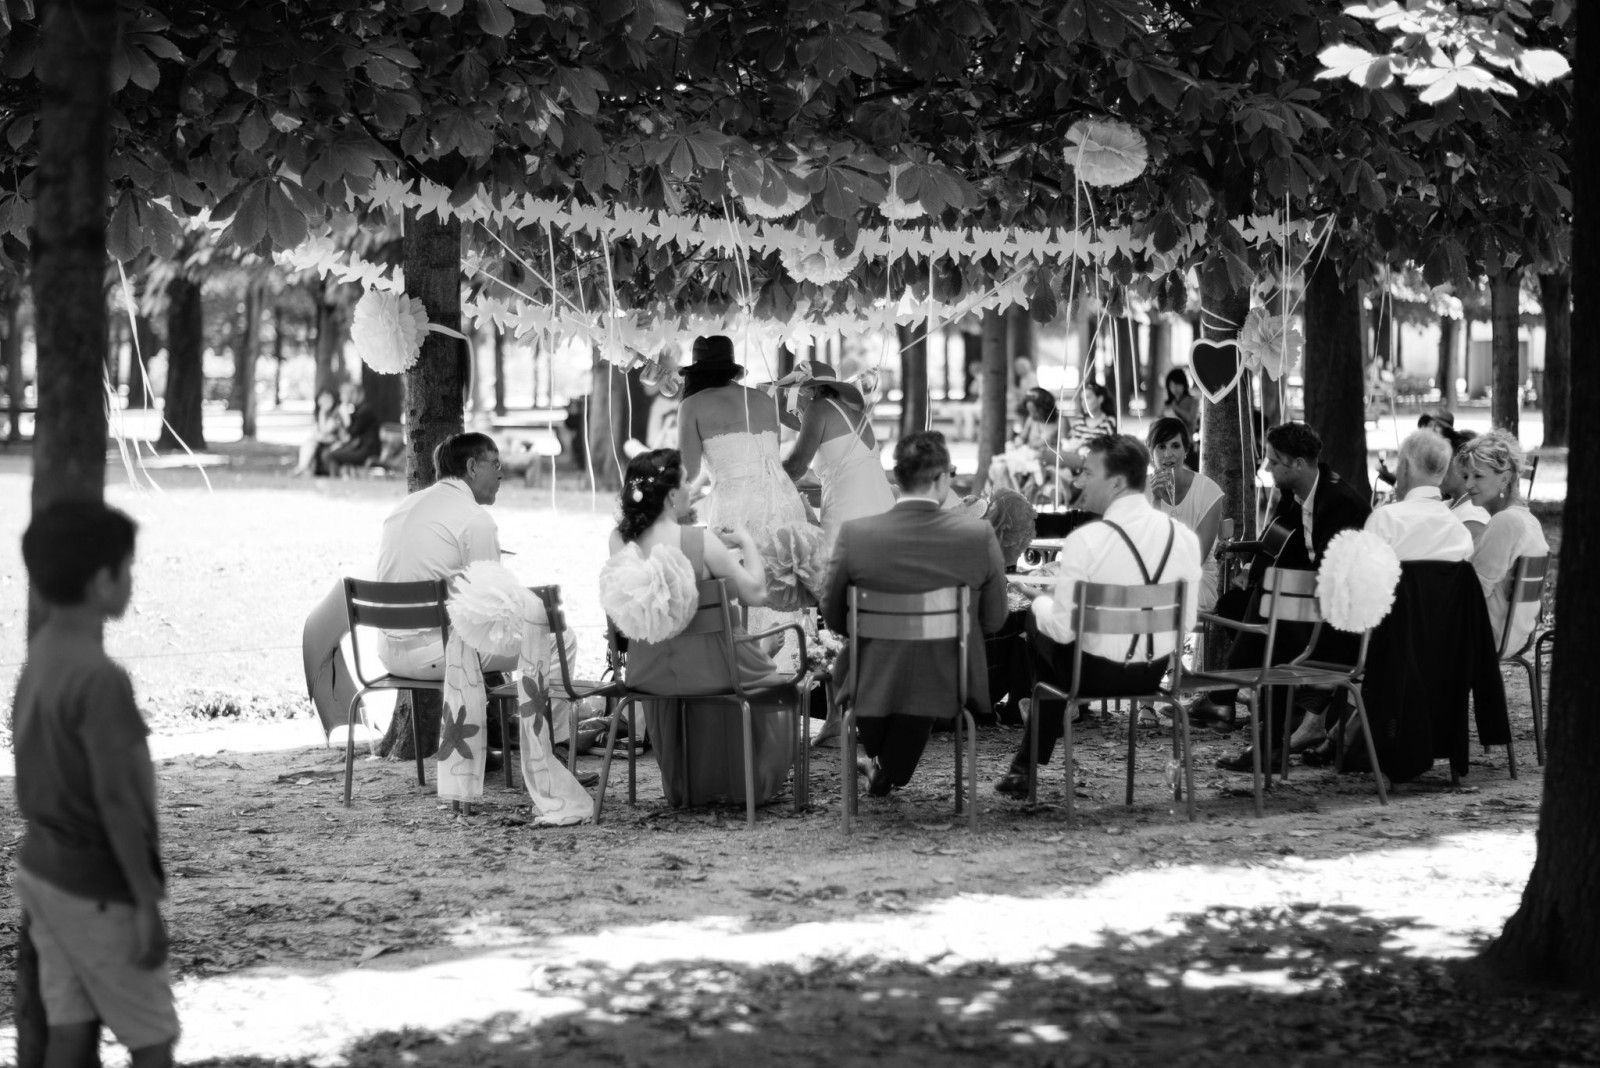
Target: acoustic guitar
(1271,544)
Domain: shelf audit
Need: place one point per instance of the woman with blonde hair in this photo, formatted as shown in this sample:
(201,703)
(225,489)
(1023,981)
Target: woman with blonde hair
(1493,464)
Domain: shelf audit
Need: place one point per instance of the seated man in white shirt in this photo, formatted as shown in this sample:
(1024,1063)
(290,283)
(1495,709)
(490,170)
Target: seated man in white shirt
(1133,545)
(1419,524)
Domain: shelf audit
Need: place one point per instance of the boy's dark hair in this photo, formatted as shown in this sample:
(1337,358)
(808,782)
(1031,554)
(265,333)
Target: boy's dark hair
(69,542)
(1123,455)
(1295,441)
(450,456)
(919,459)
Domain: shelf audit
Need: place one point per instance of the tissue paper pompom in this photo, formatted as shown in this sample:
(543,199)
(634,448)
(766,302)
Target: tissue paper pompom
(893,207)
(489,608)
(387,331)
(1268,344)
(1357,580)
(792,202)
(1106,153)
(649,598)
(794,564)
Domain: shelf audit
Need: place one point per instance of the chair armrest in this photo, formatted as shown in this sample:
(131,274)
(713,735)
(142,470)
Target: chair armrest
(799,633)
(1233,624)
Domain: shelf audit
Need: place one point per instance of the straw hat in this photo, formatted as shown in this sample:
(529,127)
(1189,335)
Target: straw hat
(810,374)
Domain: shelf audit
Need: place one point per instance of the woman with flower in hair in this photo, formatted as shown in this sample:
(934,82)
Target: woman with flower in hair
(649,591)
(1493,464)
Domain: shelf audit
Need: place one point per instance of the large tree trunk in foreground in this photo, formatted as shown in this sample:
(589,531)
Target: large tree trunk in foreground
(1554,937)
(1223,458)
(913,379)
(77,39)
(1335,381)
(1446,374)
(1555,294)
(1505,288)
(184,397)
(435,387)
(992,395)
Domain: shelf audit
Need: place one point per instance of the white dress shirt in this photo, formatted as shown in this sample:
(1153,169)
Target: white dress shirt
(1306,509)
(435,533)
(1095,553)
(1422,527)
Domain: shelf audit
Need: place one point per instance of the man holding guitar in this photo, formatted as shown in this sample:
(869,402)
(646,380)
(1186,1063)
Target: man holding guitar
(1314,505)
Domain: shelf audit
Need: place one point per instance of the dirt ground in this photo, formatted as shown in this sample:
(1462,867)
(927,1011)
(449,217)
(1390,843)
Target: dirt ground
(396,932)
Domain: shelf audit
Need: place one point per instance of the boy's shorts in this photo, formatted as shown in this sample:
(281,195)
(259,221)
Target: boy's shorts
(86,970)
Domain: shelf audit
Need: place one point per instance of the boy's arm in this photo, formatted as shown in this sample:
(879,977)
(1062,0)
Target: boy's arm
(123,782)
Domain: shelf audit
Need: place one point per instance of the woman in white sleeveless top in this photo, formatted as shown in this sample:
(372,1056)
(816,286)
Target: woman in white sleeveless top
(836,439)
(1187,496)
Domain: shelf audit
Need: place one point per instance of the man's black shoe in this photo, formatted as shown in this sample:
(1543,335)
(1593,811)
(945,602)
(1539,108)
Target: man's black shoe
(1013,784)
(1205,712)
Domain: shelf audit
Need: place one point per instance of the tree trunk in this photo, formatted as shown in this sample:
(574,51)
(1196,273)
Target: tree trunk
(913,380)
(1335,380)
(1505,287)
(113,366)
(1554,937)
(1223,458)
(331,331)
(607,422)
(435,387)
(277,355)
(1447,361)
(184,396)
(992,395)
(1555,294)
(1383,326)
(146,343)
(77,39)
(1160,363)
(972,364)
(11,355)
(244,367)
(499,370)
(1127,363)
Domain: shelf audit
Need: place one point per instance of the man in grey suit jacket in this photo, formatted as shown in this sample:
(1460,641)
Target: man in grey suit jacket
(915,547)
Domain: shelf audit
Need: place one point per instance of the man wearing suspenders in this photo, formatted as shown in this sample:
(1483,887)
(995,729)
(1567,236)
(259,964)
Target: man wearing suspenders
(1132,545)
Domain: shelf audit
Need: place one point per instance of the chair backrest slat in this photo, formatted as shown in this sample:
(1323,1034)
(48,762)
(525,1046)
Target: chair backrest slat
(945,626)
(1290,581)
(945,600)
(1289,595)
(711,617)
(1106,595)
(1526,581)
(1164,620)
(395,606)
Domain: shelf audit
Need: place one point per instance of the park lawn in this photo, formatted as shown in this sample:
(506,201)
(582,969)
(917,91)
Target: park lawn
(395,932)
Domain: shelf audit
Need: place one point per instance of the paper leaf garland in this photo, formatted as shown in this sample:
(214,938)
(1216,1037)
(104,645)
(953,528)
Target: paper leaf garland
(1216,367)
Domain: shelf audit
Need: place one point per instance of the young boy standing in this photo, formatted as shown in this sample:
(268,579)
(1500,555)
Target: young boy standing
(89,871)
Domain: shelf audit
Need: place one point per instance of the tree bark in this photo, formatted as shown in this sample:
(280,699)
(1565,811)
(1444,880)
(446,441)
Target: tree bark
(1383,327)
(330,338)
(1335,380)
(78,38)
(277,355)
(1554,937)
(183,399)
(608,422)
(146,343)
(244,365)
(499,370)
(1555,294)
(1447,361)
(992,395)
(1505,287)
(113,366)
(913,380)
(1222,457)
(11,354)
(1126,335)
(435,387)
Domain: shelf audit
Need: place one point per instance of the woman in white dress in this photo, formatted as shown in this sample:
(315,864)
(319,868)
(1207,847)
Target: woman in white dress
(1494,465)
(1187,496)
(733,430)
(836,439)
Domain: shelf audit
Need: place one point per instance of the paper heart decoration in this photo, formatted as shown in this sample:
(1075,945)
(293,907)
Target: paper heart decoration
(1216,366)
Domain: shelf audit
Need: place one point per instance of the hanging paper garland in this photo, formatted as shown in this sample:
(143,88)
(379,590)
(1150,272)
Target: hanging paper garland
(1106,153)
(387,331)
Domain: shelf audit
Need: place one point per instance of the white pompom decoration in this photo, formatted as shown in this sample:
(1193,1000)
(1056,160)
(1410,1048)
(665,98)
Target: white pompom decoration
(1357,581)
(813,259)
(1270,343)
(649,598)
(387,331)
(794,563)
(1106,153)
(761,209)
(893,207)
(489,608)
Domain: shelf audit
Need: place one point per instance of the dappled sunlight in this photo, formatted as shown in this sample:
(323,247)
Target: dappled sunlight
(1181,930)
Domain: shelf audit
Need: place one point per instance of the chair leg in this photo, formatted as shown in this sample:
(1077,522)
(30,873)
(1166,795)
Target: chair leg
(605,762)
(1372,749)
(1255,753)
(1288,732)
(748,730)
(957,733)
(1033,749)
(1066,753)
(350,748)
(1133,735)
(972,768)
(633,748)
(1538,712)
(572,734)
(505,739)
(847,781)
(1181,721)
(416,742)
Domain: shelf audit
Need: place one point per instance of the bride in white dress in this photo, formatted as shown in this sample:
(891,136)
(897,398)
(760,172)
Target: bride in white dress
(733,430)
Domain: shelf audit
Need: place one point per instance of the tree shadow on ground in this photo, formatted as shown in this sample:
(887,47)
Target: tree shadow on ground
(1300,985)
